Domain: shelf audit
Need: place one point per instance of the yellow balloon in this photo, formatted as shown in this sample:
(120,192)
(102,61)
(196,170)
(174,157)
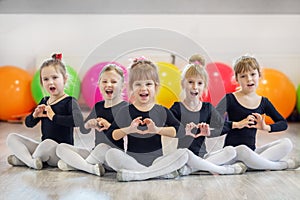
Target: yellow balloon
(170,78)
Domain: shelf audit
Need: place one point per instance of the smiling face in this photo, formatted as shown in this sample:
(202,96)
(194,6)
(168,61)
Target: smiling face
(111,85)
(53,80)
(193,87)
(144,92)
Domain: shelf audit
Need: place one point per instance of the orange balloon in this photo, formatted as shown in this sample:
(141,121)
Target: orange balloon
(277,87)
(16,98)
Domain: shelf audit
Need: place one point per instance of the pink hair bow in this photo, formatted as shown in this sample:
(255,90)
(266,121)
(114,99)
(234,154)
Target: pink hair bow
(139,59)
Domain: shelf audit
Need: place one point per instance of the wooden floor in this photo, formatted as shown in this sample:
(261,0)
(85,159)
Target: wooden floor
(51,183)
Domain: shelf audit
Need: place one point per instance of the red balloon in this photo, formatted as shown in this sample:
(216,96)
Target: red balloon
(221,82)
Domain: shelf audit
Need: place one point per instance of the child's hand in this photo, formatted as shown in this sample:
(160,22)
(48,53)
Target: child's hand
(102,124)
(188,129)
(39,111)
(248,122)
(133,128)
(49,112)
(204,130)
(151,126)
(260,122)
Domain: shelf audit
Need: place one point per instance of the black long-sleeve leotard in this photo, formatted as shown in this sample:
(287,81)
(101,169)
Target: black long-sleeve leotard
(145,148)
(108,114)
(67,116)
(236,112)
(207,114)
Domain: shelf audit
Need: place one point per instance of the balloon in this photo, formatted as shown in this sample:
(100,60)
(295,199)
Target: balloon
(298,98)
(89,86)
(170,78)
(16,99)
(221,82)
(72,86)
(276,86)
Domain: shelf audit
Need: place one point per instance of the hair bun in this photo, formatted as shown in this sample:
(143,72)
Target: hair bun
(197,59)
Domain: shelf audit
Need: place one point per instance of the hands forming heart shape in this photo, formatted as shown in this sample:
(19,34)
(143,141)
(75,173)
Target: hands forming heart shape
(143,126)
(204,129)
(43,111)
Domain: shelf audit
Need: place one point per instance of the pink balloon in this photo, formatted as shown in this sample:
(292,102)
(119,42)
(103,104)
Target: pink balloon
(89,85)
(221,82)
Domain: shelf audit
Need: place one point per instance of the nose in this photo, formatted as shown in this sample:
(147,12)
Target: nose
(249,77)
(194,85)
(109,83)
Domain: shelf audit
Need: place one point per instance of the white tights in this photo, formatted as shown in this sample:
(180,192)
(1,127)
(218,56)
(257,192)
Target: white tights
(163,165)
(266,157)
(26,150)
(80,158)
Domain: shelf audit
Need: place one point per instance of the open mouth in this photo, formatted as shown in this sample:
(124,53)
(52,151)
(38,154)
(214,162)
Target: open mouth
(250,85)
(194,93)
(52,89)
(109,92)
(144,95)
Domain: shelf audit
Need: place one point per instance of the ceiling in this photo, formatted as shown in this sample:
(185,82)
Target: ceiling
(150,7)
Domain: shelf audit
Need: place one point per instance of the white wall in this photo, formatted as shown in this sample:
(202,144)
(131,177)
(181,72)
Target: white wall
(25,40)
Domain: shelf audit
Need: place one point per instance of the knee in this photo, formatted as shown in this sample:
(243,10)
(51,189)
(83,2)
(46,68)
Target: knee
(61,148)
(11,138)
(242,149)
(230,151)
(287,143)
(102,147)
(48,143)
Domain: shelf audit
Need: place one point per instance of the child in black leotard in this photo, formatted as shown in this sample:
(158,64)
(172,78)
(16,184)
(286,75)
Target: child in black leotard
(111,84)
(58,113)
(246,112)
(142,124)
(201,116)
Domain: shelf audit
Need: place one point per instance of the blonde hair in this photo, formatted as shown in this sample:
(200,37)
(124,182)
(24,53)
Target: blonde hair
(143,69)
(196,67)
(197,58)
(246,63)
(111,67)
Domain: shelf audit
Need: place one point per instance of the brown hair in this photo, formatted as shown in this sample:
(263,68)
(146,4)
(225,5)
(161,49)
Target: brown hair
(143,69)
(244,64)
(56,62)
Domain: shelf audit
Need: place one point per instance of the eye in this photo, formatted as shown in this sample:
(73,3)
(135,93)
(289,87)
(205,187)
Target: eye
(253,74)
(137,84)
(104,81)
(113,81)
(190,82)
(242,76)
(45,79)
(200,83)
(149,84)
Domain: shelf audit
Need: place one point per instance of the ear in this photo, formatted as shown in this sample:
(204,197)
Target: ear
(65,79)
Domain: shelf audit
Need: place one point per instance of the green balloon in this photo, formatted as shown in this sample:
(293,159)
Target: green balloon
(72,86)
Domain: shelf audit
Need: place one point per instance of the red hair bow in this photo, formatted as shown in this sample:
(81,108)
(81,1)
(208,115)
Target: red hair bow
(58,56)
